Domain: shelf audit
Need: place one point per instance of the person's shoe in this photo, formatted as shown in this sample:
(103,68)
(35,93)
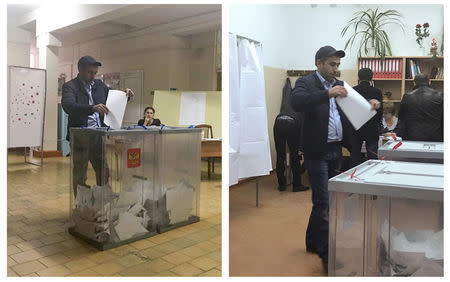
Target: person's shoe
(281,187)
(311,249)
(325,266)
(299,188)
(302,169)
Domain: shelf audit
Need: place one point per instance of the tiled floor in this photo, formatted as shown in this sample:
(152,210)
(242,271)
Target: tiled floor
(270,240)
(39,245)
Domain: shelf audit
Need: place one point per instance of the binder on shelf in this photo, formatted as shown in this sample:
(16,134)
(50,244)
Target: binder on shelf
(407,70)
(413,71)
(400,68)
(390,69)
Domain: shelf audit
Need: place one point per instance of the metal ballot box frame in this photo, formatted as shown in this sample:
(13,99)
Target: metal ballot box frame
(413,151)
(139,181)
(387,220)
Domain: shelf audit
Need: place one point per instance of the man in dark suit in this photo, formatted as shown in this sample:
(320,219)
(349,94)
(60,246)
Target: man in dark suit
(84,99)
(370,131)
(325,131)
(422,112)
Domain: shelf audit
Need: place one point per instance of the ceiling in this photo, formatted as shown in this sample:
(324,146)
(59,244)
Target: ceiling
(15,10)
(142,17)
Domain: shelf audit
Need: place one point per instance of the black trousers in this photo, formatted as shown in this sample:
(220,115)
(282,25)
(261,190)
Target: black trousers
(286,131)
(88,148)
(355,150)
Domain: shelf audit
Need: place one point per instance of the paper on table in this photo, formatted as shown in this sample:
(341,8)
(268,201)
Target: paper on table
(192,108)
(116,103)
(355,107)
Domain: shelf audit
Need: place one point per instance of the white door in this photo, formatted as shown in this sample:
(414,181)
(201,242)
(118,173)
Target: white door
(134,110)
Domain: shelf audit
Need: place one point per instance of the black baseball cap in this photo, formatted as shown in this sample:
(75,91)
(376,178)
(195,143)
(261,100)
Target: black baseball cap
(88,61)
(328,51)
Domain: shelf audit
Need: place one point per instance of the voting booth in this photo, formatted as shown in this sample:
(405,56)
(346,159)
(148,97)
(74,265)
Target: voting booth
(413,151)
(139,181)
(387,220)
(249,148)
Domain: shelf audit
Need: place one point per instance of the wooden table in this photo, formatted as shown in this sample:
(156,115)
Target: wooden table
(211,148)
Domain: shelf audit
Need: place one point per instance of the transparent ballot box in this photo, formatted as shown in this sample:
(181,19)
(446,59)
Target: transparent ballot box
(130,184)
(387,220)
(413,151)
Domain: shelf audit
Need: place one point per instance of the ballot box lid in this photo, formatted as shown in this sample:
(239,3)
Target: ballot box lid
(104,131)
(422,181)
(419,150)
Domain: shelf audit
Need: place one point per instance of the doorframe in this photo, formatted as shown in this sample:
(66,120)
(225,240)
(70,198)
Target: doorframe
(140,76)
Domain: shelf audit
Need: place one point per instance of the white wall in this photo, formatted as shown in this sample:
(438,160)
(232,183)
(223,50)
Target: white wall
(18,48)
(187,65)
(18,54)
(291,34)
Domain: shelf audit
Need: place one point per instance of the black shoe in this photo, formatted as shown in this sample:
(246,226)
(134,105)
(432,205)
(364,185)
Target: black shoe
(282,187)
(325,266)
(311,249)
(300,188)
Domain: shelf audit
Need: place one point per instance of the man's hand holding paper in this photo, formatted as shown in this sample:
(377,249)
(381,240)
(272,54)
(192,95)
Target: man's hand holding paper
(355,107)
(375,104)
(337,91)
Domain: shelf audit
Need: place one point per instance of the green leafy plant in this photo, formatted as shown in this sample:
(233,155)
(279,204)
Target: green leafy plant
(370,26)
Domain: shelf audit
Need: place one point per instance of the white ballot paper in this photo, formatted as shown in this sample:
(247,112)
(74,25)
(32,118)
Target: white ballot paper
(116,103)
(355,107)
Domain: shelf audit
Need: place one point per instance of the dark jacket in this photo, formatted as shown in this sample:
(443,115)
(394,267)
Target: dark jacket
(398,130)
(155,122)
(287,110)
(309,96)
(75,101)
(422,115)
(371,129)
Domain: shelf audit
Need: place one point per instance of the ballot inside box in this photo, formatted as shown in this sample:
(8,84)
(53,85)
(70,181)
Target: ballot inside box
(131,184)
(387,220)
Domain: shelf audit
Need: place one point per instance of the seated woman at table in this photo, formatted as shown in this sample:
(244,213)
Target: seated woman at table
(149,119)
(390,123)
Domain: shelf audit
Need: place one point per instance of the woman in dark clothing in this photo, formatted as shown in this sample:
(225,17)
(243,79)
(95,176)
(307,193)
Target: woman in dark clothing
(390,123)
(149,119)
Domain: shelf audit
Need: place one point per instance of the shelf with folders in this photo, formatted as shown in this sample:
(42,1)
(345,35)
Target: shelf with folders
(395,76)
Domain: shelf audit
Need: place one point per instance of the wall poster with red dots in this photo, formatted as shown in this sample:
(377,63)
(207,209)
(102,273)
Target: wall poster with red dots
(26,107)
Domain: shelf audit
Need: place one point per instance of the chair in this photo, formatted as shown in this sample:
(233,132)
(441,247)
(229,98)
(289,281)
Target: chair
(207,129)
(207,133)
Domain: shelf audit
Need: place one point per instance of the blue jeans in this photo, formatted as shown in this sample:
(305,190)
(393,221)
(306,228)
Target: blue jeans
(319,171)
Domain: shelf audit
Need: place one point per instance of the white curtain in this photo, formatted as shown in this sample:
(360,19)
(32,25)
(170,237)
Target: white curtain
(249,137)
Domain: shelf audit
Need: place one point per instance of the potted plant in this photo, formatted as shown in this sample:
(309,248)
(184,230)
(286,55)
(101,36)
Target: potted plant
(370,25)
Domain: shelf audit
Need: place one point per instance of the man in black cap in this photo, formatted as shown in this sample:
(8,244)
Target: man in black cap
(325,130)
(370,131)
(84,99)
